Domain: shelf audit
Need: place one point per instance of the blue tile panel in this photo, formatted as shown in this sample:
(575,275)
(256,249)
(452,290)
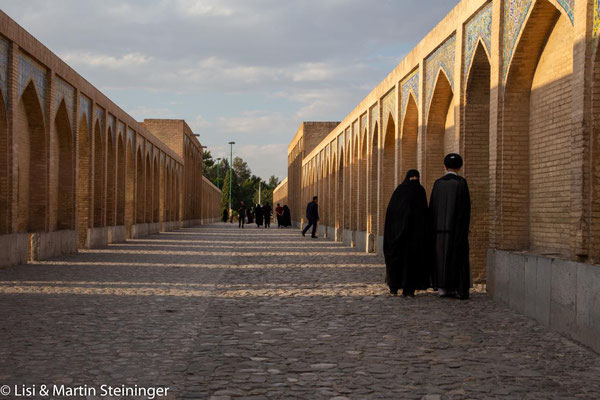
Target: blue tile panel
(32,71)
(478,28)
(441,59)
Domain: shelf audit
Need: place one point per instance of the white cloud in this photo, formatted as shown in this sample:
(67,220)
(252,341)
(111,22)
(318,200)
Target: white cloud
(203,8)
(106,61)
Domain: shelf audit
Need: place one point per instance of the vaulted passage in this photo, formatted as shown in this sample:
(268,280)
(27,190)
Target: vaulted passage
(476,129)
(63,161)
(410,130)
(83,182)
(140,193)
(536,128)
(4,170)
(388,167)
(111,188)
(99,173)
(32,184)
(373,186)
(121,180)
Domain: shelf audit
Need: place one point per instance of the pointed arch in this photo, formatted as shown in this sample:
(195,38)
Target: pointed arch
(4,170)
(476,131)
(99,172)
(339,194)
(373,181)
(111,178)
(140,192)
(121,181)
(156,191)
(63,170)
(362,185)
(536,121)
(355,184)
(148,187)
(32,162)
(83,181)
(388,166)
(410,133)
(440,126)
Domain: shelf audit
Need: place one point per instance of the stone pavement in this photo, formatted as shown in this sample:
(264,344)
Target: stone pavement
(217,312)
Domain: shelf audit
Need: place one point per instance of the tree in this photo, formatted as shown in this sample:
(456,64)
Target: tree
(213,170)
(235,192)
(241,169)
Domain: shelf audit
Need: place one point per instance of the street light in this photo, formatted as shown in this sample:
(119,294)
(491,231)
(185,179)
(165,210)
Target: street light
(230,169)
(218,165)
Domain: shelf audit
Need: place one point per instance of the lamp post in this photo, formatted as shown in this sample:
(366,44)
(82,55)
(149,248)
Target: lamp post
(218,165)
(230,169)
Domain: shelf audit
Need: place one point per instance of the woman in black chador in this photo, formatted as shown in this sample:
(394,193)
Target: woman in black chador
(225,215)
(286,220)
(405,239)
(258,215)
(266,210)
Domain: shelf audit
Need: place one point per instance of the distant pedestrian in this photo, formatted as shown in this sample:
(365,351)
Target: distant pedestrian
(266,210)
(241,215)
(258,215)
(287,217)
(250,214)
(279,214)
(225,215)
(406,239)
(312,215)
(450,210)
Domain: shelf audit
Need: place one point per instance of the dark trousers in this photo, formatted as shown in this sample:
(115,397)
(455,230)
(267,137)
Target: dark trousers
(312,223)
(241,222)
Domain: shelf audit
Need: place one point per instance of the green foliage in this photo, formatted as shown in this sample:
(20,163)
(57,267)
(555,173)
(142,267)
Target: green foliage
(214,170)
(235,192)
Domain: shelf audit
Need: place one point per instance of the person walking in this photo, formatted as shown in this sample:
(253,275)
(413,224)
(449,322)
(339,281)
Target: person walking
(312,215)
(450,210)
(279,213)
(266,210)
(241,215)
(258,215)
(225,215)
(287,217)
(406,239)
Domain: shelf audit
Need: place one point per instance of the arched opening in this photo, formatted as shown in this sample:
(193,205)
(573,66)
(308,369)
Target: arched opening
(156,190)
(83,182)
(347,188)
(99,168)
(536,134)
(325,193)
(148,186)
(355,187)
(174,216)
(373,182)
(111,195)
(410,132)
(476,129)
(339,194)
(388,166)
(440,126)
(30,139)
(362,187)
(167,193)
(140,188)
(130,188)
(177,197)
(332,192)
(595,167)
(121,179)
(4,170)
(64,171)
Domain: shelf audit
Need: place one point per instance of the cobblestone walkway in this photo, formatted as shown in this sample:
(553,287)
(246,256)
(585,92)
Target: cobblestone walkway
(217,312)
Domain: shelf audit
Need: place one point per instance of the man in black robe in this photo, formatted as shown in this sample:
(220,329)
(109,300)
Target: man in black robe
(266,210)
(258,215)
(312,215)
(241,215)
(450,211)
(405,238)
(287,217)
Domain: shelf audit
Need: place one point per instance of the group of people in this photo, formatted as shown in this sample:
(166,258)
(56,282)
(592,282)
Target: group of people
(424,246)
(260,214)
(428,246)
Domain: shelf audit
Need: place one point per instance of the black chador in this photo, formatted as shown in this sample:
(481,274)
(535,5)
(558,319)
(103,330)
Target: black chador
(225,215)
(287,217)
(450,211)
(406,239)
(266,210)
(258,215)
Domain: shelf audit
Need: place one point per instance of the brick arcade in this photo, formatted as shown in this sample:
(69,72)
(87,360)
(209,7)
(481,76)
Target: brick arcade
(76,171)
(513,86)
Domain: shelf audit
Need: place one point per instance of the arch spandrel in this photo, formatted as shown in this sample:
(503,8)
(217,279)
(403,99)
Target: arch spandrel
(410,85)
(477,30)
(442,59)
(32,71)
(63,91)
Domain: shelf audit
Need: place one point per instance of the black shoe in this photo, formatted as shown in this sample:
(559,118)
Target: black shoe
(303,233)
(314,237)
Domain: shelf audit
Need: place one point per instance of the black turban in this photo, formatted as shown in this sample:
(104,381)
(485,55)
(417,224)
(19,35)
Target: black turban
(453,161)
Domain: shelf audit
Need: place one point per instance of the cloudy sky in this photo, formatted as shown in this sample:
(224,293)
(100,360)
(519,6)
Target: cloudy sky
(244,70)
